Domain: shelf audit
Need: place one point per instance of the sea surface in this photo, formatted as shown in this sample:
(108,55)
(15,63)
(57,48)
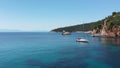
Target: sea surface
(53,50)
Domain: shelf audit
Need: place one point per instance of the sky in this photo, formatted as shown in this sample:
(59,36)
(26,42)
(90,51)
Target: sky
(45,15)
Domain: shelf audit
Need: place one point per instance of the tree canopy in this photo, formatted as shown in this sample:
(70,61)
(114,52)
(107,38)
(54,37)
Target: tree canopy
(112,20)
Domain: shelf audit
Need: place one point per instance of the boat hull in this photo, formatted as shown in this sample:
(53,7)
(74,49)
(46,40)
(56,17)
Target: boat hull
(81,40)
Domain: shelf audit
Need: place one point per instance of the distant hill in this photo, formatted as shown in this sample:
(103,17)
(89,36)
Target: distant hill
(113,19)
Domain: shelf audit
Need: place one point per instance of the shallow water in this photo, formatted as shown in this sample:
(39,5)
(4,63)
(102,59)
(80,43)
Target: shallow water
(53,50)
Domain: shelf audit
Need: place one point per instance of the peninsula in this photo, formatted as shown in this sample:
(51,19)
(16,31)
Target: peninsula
(111,21)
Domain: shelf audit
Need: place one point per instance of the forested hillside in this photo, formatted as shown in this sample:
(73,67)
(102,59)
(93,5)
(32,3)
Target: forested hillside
(113,19)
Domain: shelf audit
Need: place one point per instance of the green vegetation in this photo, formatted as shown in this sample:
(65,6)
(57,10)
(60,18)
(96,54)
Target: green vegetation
(112,20)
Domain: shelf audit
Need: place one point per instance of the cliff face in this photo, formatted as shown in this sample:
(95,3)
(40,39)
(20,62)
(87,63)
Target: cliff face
(112,20)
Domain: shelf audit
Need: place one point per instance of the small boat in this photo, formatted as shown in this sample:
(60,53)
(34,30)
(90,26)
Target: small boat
(81,40)
(65,33)
(95,35)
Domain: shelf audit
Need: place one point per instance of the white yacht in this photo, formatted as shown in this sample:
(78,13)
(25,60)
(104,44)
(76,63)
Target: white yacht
(65,33)
(81,40)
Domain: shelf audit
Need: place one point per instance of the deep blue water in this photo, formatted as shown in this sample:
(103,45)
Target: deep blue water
(52,50)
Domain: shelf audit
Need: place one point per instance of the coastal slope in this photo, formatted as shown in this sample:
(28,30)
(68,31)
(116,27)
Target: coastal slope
(113,19)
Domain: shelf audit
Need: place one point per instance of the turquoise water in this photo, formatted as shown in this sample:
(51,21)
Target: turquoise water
(52,50)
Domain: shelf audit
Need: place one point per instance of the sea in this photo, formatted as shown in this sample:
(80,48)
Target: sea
(53,50)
